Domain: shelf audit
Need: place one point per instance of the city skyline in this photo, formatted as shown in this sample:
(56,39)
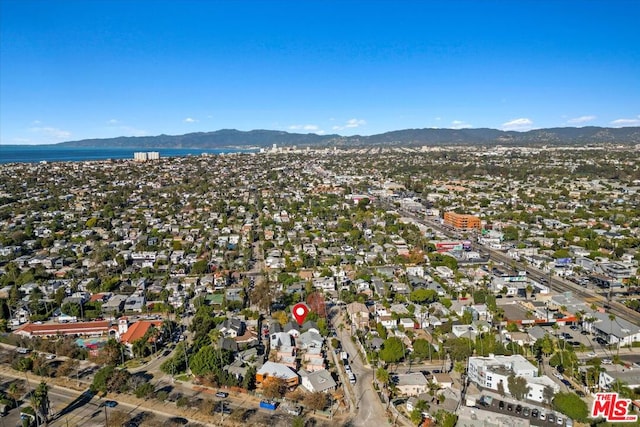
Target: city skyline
(76,70)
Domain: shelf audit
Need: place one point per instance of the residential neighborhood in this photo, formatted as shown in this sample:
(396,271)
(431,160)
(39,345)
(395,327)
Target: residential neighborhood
(438,279)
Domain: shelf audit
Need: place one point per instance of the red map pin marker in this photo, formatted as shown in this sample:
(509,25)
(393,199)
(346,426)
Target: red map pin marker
(300,312)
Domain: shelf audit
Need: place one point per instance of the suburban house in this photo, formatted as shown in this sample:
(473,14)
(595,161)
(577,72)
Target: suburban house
(630,377)
(411,384)
(358,314)
(317,381)
(278,370)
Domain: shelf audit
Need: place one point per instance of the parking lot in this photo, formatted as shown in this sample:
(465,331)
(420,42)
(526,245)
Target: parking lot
(536,415)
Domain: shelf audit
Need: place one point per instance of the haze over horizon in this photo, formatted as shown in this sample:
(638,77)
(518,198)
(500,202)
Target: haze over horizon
(75,70)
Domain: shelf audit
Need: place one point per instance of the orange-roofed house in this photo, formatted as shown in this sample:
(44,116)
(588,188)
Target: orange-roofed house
(128,334)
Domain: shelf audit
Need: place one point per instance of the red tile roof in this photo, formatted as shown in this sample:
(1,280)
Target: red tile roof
(79,328)
(138,329)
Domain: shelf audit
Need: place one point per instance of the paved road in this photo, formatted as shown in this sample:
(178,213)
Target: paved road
(369,408)
(556,283)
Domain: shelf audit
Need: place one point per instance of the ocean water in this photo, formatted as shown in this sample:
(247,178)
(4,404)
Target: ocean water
(38,153)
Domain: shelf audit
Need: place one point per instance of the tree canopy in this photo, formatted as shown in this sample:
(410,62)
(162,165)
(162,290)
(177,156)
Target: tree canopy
(571,405)
(392,350)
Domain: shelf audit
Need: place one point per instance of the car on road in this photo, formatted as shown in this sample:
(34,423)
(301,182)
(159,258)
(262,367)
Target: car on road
(110,403)
(222,394)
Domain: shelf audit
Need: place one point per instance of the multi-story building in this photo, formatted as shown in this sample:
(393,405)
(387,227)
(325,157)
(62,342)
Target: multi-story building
(493,373)
(462,221)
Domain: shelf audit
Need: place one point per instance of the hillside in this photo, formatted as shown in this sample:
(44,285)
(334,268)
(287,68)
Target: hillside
(408,137)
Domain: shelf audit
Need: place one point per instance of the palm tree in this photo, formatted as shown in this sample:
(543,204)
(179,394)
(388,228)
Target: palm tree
(612,317)
(382,375)
(40,402)
(14,391)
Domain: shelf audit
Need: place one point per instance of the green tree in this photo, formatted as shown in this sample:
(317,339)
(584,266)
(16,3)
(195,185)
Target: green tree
(446,419)
(40,401)
(547,394)
(518,387)
(571,405)
(249,379)
(392,350)
(208,359)
(423,296)
(459,348)
(422,348)
(200,267)
(382,375)
(564,360)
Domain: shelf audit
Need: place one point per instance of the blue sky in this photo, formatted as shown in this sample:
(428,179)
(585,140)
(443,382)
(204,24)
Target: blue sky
(94,69)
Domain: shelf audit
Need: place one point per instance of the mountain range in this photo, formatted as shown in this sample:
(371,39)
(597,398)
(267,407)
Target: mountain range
(226,138)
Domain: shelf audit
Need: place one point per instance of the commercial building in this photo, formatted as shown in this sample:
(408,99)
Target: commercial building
(49,330)
(462,221)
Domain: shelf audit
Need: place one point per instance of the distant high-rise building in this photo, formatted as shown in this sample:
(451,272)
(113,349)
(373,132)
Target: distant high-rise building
(462,221)
(142,156)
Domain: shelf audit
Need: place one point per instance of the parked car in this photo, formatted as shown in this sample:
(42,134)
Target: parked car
(501,404)
(551,418)
(222,408)
(518,409)
(222,394)
(534,413)
(110,403)
(50,356)
(526,411)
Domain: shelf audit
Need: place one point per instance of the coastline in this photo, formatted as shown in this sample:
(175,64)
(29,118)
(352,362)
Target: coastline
(52,153)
